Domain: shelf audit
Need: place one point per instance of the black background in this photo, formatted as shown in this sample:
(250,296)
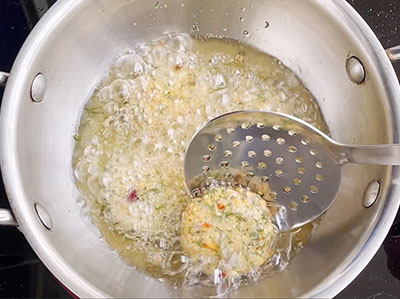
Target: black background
(22,275)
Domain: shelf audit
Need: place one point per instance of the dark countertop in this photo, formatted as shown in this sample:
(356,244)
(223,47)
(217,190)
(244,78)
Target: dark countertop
(22,275)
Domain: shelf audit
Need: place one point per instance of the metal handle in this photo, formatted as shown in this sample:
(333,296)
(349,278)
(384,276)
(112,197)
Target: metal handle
(388,154)
(3,78)
(7,218)
(394,53)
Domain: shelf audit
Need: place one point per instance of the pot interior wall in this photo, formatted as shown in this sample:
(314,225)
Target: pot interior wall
(74,55)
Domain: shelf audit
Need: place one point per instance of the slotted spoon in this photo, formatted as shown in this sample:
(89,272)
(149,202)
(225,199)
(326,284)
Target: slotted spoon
(301,165)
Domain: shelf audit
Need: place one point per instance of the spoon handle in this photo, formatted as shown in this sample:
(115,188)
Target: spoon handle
(388,154)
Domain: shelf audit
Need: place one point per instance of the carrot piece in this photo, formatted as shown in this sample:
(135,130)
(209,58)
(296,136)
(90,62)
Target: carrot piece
(220,206)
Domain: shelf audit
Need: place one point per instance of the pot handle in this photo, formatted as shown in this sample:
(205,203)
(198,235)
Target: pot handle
(3,78)
(7,218)
(394,53)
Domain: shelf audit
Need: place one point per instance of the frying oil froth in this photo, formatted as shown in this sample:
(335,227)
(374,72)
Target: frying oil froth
(128,159)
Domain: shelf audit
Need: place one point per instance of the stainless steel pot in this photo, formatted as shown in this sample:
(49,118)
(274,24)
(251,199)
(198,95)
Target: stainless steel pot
(71,49)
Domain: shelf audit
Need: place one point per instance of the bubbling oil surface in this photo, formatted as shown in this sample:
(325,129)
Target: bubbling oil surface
(129,152)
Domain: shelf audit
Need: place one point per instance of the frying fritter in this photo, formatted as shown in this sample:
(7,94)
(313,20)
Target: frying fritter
(228,229)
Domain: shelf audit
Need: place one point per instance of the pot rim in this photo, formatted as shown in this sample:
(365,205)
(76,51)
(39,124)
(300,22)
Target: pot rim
(35,234)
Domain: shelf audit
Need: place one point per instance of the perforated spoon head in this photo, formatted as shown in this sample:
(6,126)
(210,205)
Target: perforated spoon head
(268,152)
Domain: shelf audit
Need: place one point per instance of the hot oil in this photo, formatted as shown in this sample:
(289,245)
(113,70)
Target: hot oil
(130,147)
